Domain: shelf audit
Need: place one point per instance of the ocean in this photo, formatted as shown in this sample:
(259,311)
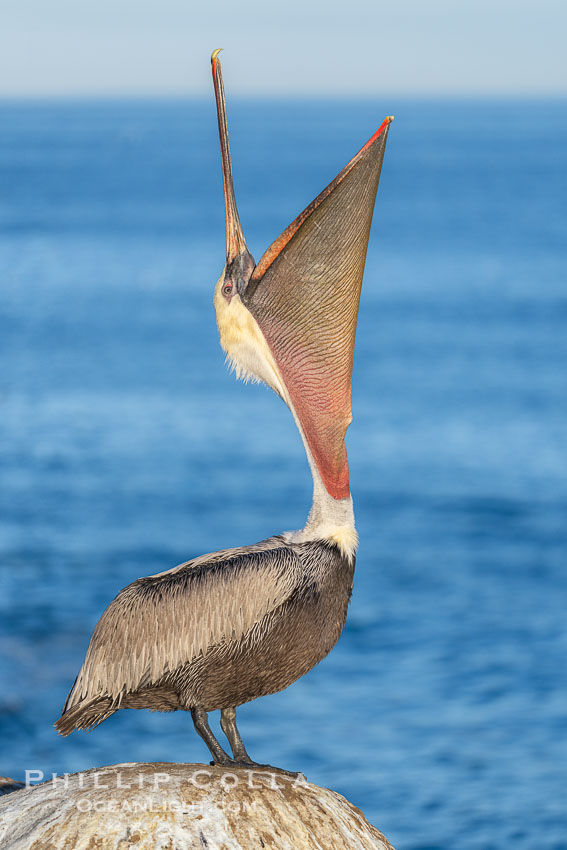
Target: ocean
(126,446)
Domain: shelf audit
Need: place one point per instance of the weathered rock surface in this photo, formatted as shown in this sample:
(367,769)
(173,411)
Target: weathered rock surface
(181,807)
(7,785)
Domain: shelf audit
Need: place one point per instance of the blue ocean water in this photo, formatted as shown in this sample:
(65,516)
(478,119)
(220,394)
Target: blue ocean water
(126,447)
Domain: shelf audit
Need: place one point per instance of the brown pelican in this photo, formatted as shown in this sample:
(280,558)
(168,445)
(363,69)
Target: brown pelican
(225,628)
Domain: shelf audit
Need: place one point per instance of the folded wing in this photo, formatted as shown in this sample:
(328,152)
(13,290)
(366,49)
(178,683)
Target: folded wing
(162,622)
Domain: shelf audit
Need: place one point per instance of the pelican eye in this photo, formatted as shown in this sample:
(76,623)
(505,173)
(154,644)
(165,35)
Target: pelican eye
(227,289)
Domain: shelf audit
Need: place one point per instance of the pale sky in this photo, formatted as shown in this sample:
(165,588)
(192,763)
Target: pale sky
(288,48)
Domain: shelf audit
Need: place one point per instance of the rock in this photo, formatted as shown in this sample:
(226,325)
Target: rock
(8,785)
(166,806)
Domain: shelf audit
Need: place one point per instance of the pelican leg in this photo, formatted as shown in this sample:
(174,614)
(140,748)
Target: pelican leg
(230,729)
(201,722)
(241,757)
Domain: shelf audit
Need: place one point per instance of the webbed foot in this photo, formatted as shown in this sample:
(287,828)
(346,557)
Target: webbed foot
(253,765)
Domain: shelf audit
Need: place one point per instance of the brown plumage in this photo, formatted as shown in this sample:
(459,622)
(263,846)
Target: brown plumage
(217,631)
(234,625)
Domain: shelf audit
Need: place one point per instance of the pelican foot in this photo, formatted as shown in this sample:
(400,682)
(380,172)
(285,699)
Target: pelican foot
(222,762)
(240,757)
(253,765)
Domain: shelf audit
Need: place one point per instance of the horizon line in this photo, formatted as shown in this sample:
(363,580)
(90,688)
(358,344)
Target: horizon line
(280,97)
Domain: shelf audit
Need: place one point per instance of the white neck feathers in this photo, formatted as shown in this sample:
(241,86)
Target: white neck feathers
(329,520)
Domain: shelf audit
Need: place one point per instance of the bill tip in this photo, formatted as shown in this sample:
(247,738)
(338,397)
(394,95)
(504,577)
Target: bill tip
(389,118)
(215,53)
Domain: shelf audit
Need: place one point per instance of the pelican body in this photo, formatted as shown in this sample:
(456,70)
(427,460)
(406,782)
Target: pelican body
(228,627)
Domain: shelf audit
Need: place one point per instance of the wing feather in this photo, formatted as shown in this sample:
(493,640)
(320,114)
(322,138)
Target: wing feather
(162,622)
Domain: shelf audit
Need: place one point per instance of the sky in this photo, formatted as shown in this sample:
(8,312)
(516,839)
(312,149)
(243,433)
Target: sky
(285,49)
